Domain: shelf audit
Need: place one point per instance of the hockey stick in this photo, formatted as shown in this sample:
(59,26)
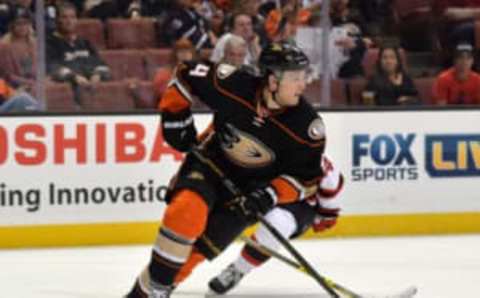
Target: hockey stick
(269,252)
(407,293)
(286,244)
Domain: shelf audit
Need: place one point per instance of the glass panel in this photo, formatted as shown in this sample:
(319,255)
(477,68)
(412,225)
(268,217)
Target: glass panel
(109,56)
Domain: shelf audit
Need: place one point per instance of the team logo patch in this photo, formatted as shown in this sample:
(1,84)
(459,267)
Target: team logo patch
(316,130)
(245,150)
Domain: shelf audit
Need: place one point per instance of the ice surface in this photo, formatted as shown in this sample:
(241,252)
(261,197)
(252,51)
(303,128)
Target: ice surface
(441,267)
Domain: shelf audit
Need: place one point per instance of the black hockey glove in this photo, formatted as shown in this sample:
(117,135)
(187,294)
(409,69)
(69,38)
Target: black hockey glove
(260,200)
(179,130)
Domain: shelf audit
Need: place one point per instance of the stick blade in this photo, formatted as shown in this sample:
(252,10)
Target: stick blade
(406,293)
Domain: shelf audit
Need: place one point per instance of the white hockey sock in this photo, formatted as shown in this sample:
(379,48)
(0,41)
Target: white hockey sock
(244,265)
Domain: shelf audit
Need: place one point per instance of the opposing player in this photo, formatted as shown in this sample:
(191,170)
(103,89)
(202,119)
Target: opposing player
(292,220)
(265,137)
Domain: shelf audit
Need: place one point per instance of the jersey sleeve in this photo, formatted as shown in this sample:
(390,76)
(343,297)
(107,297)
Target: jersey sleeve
(192,81)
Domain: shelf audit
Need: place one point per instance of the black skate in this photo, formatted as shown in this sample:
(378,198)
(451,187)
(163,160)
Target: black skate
(159,291)
(226,280)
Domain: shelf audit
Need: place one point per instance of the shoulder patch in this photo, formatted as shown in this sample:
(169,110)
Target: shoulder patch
(316,129)
(225,70)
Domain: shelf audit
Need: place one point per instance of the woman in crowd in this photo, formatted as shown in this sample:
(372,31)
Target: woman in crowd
(390,85)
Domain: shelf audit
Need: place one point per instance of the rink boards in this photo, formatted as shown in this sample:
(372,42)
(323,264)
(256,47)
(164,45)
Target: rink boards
(100,179)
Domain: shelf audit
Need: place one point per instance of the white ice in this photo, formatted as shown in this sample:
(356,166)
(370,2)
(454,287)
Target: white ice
(441,267)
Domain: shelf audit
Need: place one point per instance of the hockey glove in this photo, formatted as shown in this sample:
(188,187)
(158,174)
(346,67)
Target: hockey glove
(325,219)
(179,130)
(260,200)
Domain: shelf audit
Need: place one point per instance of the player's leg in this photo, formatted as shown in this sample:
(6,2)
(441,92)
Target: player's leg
(290,220)
(184,221)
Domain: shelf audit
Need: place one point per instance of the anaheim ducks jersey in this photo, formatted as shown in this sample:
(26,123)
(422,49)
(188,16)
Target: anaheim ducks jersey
(282,148)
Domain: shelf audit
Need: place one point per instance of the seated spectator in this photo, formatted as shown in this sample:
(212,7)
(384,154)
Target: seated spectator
(12,100)
(242,26)
(347,44)
(459,84)
(18,57)
(290,14)
(9,9)
(183,51)
(235,51)
(184,21)
(390,85)
(217,21)
(102,9)
(356,41)
(251,8)
(459,17)
(71,58)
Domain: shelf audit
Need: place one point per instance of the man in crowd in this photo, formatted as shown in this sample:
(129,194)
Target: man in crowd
(459,84)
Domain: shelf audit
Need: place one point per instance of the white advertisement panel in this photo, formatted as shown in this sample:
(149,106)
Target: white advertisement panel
(83,169)
(407,162)
(93,169)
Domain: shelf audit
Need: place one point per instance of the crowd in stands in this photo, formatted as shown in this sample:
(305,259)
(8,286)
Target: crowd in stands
(120,54)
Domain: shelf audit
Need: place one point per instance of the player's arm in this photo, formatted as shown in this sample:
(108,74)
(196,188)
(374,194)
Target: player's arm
(284,189)
(299,181)
(326,200)
(177,120)
(191,81)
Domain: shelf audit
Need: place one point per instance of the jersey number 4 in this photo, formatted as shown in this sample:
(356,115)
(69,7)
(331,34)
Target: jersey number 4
(200,70)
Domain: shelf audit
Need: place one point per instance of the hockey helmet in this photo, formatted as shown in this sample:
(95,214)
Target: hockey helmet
(281,57)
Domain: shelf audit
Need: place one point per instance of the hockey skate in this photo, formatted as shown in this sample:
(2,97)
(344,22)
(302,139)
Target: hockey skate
(159,291)
(226,280)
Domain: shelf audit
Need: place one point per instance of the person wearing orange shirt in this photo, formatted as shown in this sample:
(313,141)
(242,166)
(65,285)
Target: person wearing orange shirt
(459,84)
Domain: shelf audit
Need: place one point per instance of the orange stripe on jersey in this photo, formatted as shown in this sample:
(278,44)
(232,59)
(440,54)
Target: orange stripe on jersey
(286,191)
(173,101)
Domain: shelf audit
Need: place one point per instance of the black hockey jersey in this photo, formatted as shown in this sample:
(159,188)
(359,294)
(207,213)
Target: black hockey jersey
(282,149)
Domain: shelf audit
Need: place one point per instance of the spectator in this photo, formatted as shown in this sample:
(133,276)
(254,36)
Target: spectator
(285,19)
(390,85)
(19,51)
(217,21)
(235,51)
(184,21)
(71,58)
(183,51)
(251,8)
(459,17)
(459,84)
(355,43)
(347,45)
(9,9)
(12,100)
(103,9)
(242,26)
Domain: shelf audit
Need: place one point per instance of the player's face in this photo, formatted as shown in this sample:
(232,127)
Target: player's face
(290,87)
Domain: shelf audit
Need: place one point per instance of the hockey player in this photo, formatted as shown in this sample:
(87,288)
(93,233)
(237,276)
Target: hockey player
(265,137)
(319,212)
